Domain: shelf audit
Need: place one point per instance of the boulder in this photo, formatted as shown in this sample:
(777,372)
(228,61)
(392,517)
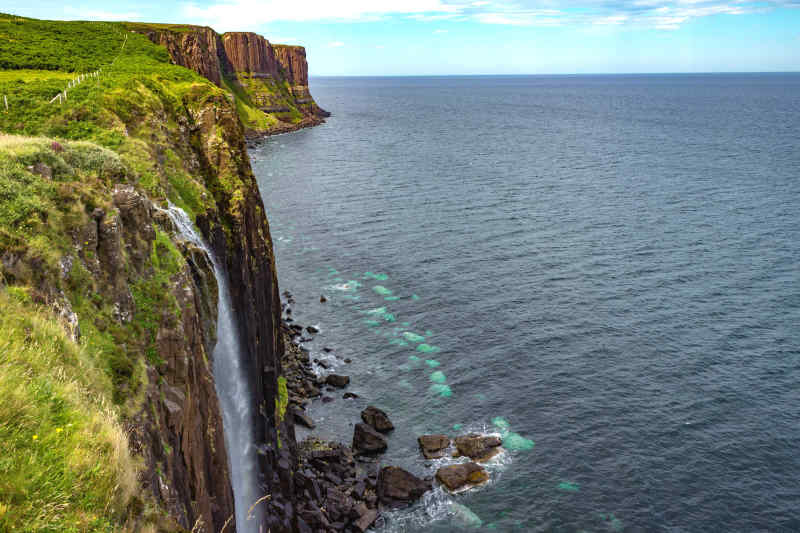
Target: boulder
(337,380)
(322,299)
(366,520)
(397,487)
(303,419)
(433,446)
(377,419)
(477,447)
(367,440)
(312,329)
(462,475)
(348,395)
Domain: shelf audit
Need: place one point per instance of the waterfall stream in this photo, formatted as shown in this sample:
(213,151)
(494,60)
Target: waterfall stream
(232,389)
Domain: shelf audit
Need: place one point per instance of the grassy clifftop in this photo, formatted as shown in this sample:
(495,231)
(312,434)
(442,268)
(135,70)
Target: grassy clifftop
(105,318)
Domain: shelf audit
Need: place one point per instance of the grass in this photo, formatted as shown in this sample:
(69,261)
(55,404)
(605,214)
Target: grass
(65,464)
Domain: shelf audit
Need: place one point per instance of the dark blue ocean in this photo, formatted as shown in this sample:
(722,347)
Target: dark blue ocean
(603,270)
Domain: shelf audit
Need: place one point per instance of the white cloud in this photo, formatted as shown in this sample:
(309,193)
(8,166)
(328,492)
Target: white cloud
(227,15)
(335,44)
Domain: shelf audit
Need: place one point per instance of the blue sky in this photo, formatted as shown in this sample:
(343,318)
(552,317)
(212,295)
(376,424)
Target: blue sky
(440,37)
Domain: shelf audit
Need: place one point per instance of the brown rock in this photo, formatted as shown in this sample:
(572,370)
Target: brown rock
(366,520)
(336,380)
(478,447)
(433,446)
(367,440)
(251,53)
(397,486)
(377,419)
(461,475)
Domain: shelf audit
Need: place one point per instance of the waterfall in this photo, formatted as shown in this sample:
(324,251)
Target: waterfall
(232,389)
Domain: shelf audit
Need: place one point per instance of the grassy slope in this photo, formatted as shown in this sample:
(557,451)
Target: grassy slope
(63,463)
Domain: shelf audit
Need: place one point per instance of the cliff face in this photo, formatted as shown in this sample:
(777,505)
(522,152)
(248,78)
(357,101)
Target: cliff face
(268,82)
(200,50)
(251,53)
(294,64)
(84,235)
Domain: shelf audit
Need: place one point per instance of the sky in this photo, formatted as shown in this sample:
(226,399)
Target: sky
(465,37)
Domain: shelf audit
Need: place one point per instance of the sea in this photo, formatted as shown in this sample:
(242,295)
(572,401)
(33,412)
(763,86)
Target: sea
(603,270)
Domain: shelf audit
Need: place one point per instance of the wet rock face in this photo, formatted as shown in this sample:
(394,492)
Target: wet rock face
(368,441)
(433,446)
(462,475)
(377,419)
(397,487)
(252,53)
(478,447)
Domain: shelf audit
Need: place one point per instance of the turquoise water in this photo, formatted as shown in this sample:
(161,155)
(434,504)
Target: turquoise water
(602,270)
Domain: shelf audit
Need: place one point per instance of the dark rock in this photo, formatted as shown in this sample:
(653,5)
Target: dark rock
(461,475)
(377,419)
(348,395)
(478,447)
(433,446)
(337,380)
(327,350)
(312,329)
(288,310)
(322,299)
(367,440)
(366,520)
(327,399)
(348,360)
(399,487)
(303,419)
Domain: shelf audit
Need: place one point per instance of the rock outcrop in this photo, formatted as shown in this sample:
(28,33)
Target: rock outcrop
(270,80)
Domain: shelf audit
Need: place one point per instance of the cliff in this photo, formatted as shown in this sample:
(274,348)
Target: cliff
(124,405)
(268,83)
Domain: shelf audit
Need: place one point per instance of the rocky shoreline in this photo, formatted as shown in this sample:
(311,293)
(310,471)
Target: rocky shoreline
(344,488)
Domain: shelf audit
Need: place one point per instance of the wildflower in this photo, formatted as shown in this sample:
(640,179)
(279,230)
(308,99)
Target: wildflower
(59,430)
(35,437)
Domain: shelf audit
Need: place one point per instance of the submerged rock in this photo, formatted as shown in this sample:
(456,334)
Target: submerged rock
(322,299)
(478,447)
(397,487)
(312,329)
(367,440)
(462,475)
(377,419)
(433,446)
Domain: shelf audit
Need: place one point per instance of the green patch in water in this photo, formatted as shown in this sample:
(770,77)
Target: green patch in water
(433,363)
(405,324)
(427,348)
(464,516)
(438,377)
(372,323)
(457,427)
(442,390)
(516,442)
(392,298)
(428,332)
(337,280)
(372,275)
(414,359)
(383,291)
(568,486)
(389,317)
(414,297)
(413,337)
(501,423)
(398,342)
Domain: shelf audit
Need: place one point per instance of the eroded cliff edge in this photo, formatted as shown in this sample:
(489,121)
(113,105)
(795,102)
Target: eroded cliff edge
(268,82)
(91,266)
